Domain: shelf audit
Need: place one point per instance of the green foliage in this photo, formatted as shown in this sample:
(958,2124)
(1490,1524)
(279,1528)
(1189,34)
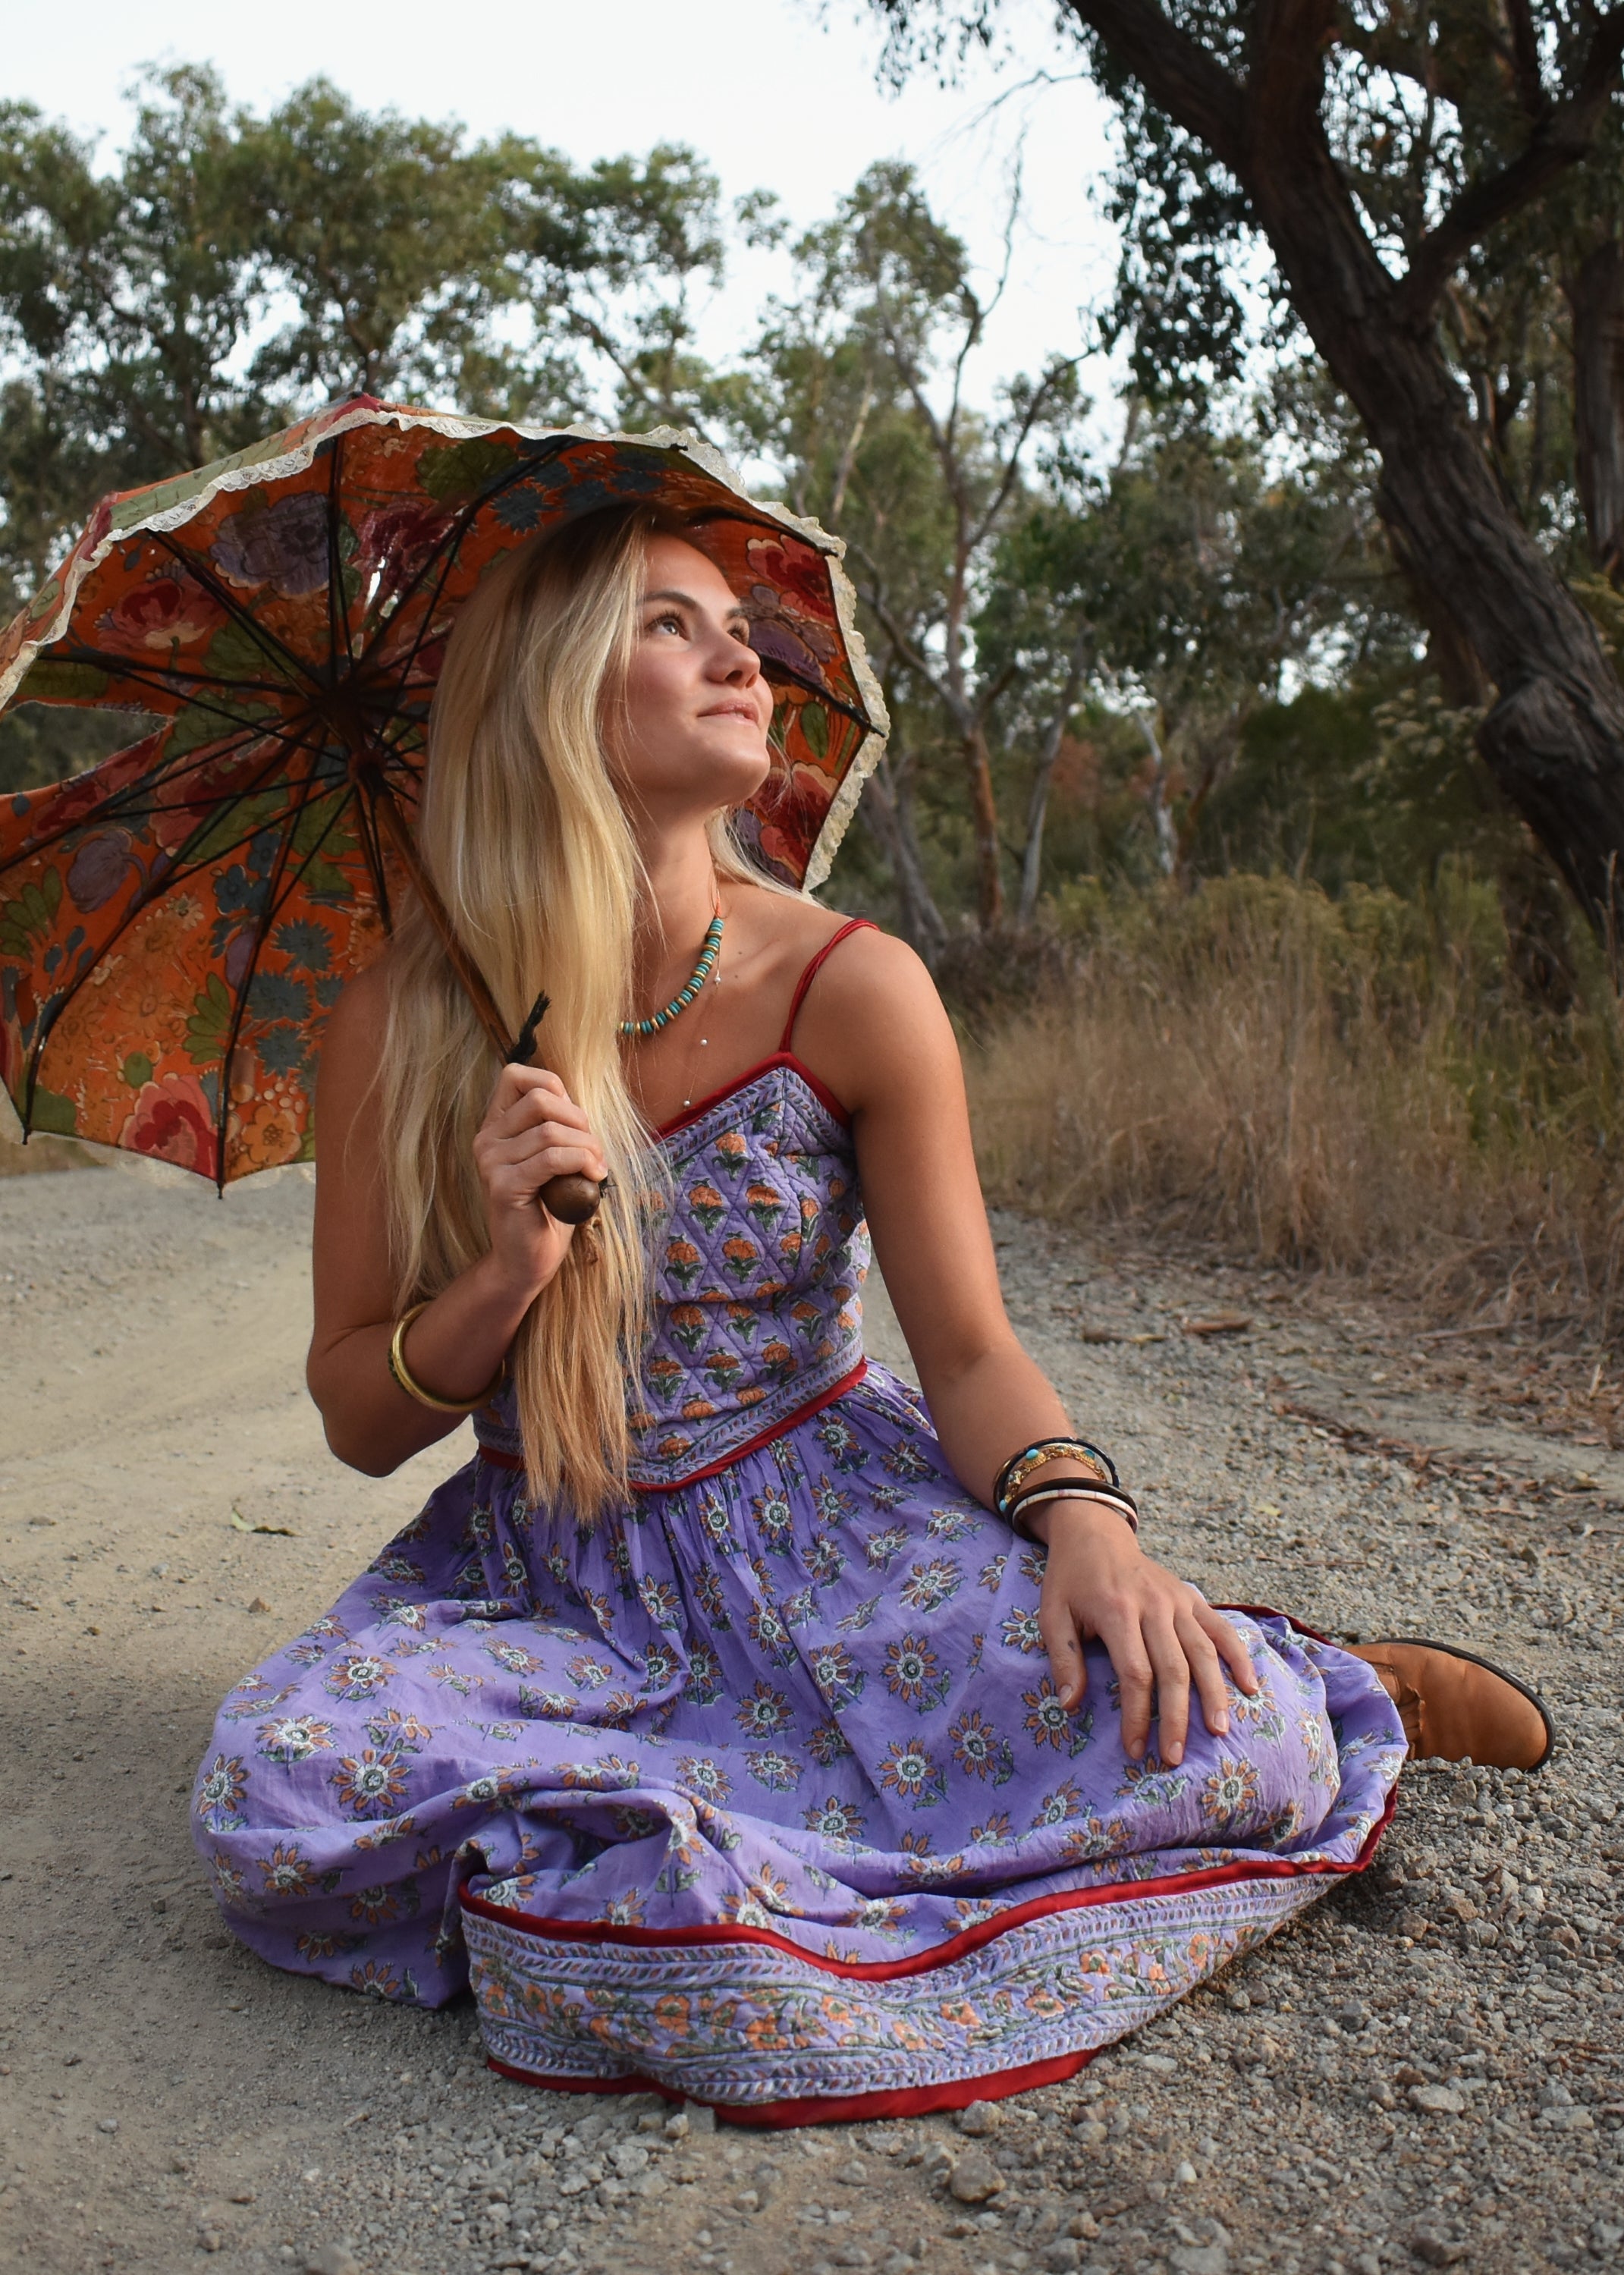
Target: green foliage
(492,275)
(41,742)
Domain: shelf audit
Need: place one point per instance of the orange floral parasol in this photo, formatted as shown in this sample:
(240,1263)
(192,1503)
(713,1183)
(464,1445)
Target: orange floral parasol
(176,924)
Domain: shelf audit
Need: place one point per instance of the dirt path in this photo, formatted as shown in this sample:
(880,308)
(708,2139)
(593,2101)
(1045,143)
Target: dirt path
(1424,2072)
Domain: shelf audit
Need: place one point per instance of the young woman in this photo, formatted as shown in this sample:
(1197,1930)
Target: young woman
(737,1721)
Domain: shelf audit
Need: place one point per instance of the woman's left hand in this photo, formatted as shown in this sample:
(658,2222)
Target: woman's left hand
(1163,1636)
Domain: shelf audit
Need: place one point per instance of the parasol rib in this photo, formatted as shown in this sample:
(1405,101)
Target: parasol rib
(156,881)
(262,930)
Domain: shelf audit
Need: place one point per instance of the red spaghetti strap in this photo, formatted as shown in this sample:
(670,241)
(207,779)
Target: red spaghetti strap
(852,925)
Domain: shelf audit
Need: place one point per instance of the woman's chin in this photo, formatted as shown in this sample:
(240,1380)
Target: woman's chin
(713,779)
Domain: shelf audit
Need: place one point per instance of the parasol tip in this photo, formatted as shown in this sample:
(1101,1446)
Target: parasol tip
(524,1050)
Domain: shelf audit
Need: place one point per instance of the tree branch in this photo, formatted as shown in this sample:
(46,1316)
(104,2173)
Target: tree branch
(1563,136)
(1286,52)
(1041,396)
(1523,45)
(962,714)
(1177,72)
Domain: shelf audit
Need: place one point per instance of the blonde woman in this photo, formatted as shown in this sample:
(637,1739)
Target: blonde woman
(735,1720)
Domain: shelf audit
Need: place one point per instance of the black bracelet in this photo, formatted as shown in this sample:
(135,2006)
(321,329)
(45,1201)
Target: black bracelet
(1072,1489)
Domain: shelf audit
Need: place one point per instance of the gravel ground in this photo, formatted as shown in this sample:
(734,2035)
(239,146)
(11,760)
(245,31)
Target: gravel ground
(1422,2072)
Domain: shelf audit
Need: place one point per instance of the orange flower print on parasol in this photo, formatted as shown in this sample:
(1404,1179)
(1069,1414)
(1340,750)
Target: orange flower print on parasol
(176,924)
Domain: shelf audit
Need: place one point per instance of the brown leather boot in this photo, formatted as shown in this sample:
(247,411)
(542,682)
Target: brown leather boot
(1457,1707)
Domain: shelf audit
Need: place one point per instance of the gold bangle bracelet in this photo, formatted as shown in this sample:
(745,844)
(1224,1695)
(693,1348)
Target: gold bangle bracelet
(414,1389)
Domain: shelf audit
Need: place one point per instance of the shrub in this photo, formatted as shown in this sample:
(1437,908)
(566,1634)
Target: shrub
(1358,1082)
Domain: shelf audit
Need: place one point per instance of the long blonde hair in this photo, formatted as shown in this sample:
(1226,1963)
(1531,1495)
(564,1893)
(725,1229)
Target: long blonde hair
(522,830)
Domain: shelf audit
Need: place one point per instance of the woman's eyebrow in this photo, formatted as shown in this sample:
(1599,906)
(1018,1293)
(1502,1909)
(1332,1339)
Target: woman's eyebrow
(687,600)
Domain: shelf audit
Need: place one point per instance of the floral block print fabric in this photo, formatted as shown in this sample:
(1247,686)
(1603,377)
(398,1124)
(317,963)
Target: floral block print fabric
(176,925)
(760,1789)
(762,1263)
(750,2024)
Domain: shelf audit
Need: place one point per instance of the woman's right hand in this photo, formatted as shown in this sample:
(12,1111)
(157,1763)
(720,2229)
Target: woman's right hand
(532,1131)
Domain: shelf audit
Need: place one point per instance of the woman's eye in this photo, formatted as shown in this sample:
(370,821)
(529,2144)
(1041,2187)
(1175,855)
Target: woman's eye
(669,622)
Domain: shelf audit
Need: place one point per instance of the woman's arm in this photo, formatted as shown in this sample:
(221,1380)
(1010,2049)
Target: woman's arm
(531,1132)
(874,1027)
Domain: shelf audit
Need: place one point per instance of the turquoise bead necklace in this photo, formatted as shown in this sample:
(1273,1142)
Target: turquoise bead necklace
(685,995)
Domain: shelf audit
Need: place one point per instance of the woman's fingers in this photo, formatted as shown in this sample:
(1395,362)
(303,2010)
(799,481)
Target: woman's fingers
(1158,1652)
(515,1083)
(533,1107)
(1231,1648)
(1136,1684)
(530,1146)
(1069,1676)
(1172,1672)
(533,1132)
(1207,1671)
(519,1184)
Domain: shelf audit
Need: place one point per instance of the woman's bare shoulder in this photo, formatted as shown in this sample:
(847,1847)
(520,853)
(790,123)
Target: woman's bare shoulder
(874,980)
(872,1019)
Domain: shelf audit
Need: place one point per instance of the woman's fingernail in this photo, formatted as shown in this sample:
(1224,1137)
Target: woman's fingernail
(1175,1753)
(1220,1726)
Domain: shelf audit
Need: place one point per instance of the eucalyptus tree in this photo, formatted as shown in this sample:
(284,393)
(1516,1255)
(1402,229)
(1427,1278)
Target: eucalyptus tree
(1179,586)
(865,374)
(1378,151)
(232,271)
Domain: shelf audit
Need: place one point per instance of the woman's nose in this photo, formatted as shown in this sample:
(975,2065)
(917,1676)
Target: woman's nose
(738,663)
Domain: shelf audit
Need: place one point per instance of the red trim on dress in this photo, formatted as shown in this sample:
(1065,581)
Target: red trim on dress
(901,2101)
(783,1056)
(852,925)
(951,2093)
(940,1954)
(503,1460)
(832,2108)
(820,1090)
(791,1421)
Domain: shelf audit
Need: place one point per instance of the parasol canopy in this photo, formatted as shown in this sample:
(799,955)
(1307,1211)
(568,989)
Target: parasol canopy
(176,923)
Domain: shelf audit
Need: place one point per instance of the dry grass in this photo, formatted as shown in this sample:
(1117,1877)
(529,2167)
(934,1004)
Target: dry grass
(1359,1085)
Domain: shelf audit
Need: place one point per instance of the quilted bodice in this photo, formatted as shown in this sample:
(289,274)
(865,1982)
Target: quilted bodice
(758,1269)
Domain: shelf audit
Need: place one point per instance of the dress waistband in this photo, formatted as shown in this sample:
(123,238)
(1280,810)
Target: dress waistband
(502,1457)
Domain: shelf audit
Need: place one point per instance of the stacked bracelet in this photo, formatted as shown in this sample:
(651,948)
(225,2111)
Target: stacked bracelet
(414,1389)
(1109,1496)
(1038,1455)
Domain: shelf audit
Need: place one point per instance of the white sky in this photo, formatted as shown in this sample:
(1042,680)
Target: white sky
(777,94)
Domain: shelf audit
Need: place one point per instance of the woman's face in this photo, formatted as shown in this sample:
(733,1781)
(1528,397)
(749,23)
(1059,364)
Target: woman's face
(693,731)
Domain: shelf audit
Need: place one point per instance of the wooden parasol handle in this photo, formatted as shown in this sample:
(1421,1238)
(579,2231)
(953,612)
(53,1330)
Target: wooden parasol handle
(573,1199)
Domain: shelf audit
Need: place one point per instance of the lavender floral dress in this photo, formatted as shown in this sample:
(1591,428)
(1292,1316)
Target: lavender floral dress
(761,1789)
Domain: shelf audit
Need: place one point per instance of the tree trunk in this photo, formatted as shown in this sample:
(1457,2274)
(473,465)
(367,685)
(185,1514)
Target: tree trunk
(1554,738)
(1214,752)
(1596,297)
(888,811)
(1037,807)
(1161,798)
(984,820)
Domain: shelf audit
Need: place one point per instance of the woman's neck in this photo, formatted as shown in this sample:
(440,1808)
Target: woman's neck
(678,902)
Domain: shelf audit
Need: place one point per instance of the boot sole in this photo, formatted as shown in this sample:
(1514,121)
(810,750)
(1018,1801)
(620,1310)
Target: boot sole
(1428,1643)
